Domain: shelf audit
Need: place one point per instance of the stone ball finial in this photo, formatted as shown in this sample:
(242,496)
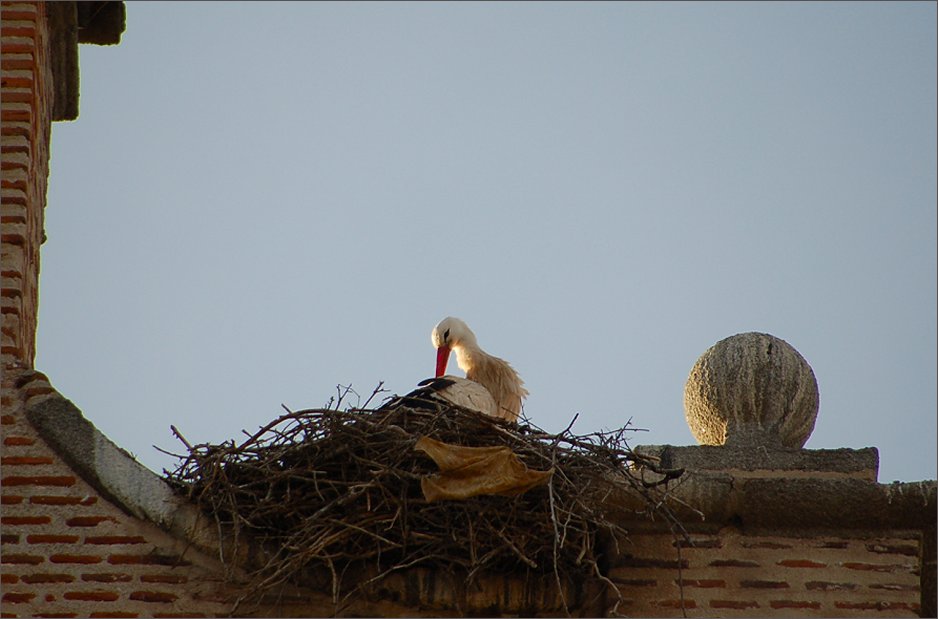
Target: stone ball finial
(751,389)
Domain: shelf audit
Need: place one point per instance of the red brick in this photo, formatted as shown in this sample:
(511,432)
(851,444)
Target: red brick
(39,480)
(88,521)
(643,562)
(698,543)
(15,520)
(30,377)
(19,15)
(872,567)
(116,539)
(18,97)
(21,559)
(733,563)
(15,115)
(56,615)
(877,606)
(14,441)
(9,538)
(19,129)
(794,604)
(106,577)
(801,563)
(113,614)
(733,604)
(9,579)
(149,559)
(763,584)
(15,239)
(18,82)
(66,558)
(896,587)
(160,597)
(178,615)
(636,582)
(7,420)
(173,579)
(18,598)
(92,596)
(62,500)
(8,499)
(766,545)
(19,31)
(19,47)
(51,539)
(676,603)
(44,578)
(38,388)
(894,549)
(830,586)
(703,583)
(24,460)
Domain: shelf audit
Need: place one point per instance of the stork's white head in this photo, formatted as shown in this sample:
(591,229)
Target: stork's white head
(448,334)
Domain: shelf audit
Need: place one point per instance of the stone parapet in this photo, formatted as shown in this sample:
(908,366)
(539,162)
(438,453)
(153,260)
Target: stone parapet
(801,488)
(761,462)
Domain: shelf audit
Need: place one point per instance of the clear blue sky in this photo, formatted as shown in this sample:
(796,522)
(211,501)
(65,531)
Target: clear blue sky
(261,201)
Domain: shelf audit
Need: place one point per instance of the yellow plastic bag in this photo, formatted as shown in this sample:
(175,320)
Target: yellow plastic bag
(469,471)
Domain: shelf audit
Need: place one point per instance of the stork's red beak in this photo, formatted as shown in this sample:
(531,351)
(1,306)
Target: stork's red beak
(442,358)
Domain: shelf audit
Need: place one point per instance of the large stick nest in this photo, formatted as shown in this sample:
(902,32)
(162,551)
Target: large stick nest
(337,492)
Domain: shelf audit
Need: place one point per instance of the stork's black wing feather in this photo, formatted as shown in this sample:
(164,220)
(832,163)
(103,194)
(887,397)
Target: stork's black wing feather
(424,391)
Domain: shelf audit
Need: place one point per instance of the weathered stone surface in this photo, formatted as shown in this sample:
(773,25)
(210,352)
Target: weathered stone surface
(115,473)
(751,389)
(707,500)
(819,463)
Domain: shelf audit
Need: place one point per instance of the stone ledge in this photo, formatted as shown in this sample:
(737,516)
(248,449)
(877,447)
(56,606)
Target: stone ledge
(741,461)
(710,500)
(115,473)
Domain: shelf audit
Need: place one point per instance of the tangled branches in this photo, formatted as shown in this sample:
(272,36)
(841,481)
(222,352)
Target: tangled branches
(337,493)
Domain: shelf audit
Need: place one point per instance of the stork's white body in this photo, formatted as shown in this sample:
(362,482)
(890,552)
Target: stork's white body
(469,394)
(496,375)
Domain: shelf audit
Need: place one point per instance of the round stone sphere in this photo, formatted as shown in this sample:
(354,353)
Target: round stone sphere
(751,389)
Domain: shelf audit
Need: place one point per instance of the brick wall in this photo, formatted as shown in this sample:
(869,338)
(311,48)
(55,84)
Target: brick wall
(26,107)
(734,575)
(68,552)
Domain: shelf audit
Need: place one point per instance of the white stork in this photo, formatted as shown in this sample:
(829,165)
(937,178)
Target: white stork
(495,375)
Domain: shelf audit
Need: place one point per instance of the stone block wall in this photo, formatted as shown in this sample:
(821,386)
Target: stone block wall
(26,108)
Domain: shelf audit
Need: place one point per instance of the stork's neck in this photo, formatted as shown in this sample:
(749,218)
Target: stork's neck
(469,356)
